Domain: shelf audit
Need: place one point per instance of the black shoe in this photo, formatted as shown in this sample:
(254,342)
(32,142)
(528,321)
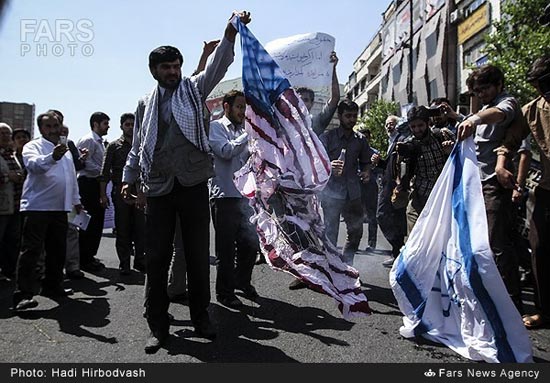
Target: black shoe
(205,329)
(154,343)
(75,274)
(232,302)
(92,266)
(260,260)
(27,303)
(249,292)
(297,284)
(180,298)
(139,267)
(124,271)
(57,292)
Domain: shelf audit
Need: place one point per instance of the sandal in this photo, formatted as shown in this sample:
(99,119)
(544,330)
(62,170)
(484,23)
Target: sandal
(533,321)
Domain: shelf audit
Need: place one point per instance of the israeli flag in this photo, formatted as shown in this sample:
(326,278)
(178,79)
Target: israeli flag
(445,280)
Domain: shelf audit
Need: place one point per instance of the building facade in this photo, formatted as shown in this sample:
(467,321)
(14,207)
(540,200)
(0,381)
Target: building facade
(425,56)
(363,84)
(18,115)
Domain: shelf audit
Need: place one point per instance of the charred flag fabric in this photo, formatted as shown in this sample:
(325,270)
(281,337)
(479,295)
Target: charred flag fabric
(445,279)
(288,166)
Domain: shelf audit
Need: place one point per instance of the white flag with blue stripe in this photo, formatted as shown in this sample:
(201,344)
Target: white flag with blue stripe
(445,280)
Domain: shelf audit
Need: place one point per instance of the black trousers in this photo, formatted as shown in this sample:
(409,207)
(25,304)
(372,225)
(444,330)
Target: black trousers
(42,230)
(10,242)
(191,205)
(90,238)
(539,237)
(500,213)
(352,212)
(130,231)
(236,244)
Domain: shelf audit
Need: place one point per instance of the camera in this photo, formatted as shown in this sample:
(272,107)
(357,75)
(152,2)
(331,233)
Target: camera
(408,148)
(434,111)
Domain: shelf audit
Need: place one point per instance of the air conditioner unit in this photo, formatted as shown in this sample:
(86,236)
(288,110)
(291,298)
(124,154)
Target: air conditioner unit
(456,16)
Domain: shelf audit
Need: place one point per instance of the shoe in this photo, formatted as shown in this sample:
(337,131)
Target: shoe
(249,292)
(3,277)
(182,298)
(232,302)
(57,292)
(139,267)
(154,343)
(171,318)
(92,266)
(260,260)
(297,284)
(388,262)
(75,274)
(25,304)
(205,329)
(534,321)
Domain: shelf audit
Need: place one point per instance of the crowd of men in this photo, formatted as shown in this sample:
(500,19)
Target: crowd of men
(172,169)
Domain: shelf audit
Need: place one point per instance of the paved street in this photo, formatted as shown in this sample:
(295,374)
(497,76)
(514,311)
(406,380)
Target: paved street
(102,322)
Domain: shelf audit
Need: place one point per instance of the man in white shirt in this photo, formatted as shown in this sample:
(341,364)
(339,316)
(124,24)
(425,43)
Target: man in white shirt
(88,183)
(236,238)
(49,192)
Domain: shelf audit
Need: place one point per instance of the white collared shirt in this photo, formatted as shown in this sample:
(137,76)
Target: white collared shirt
(50,185)
(94,143)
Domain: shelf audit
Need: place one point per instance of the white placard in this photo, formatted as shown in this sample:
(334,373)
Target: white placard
(304,59)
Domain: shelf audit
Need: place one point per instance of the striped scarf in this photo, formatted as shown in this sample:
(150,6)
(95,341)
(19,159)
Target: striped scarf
(288,166)
(187,109)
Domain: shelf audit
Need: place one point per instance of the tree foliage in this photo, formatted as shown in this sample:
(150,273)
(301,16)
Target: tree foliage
(517,41)
(375,120)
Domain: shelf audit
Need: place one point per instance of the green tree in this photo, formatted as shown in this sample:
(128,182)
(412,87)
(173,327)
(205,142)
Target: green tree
(375,120)
(517,41)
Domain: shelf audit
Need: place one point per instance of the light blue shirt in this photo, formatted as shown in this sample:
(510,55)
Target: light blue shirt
(229,145)
(96,148)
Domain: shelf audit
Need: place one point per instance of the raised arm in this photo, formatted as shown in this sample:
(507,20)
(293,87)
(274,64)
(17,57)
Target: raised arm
(335,89)
(207,49)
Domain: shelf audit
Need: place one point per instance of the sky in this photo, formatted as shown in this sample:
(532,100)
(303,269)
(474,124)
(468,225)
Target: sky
(85,56)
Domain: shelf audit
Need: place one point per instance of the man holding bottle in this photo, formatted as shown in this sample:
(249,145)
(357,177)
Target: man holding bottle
(342,195)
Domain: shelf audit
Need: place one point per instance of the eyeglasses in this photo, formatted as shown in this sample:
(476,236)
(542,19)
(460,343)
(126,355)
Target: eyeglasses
(481,88)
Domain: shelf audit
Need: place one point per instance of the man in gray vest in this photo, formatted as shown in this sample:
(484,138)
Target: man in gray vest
(171,154)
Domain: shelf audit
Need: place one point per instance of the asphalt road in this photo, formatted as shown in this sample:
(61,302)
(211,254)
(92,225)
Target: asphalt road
(102,322)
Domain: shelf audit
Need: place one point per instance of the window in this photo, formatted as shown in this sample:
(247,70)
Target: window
(384,83)
(415,57)
(433,90)
(431,44)
(397,73)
